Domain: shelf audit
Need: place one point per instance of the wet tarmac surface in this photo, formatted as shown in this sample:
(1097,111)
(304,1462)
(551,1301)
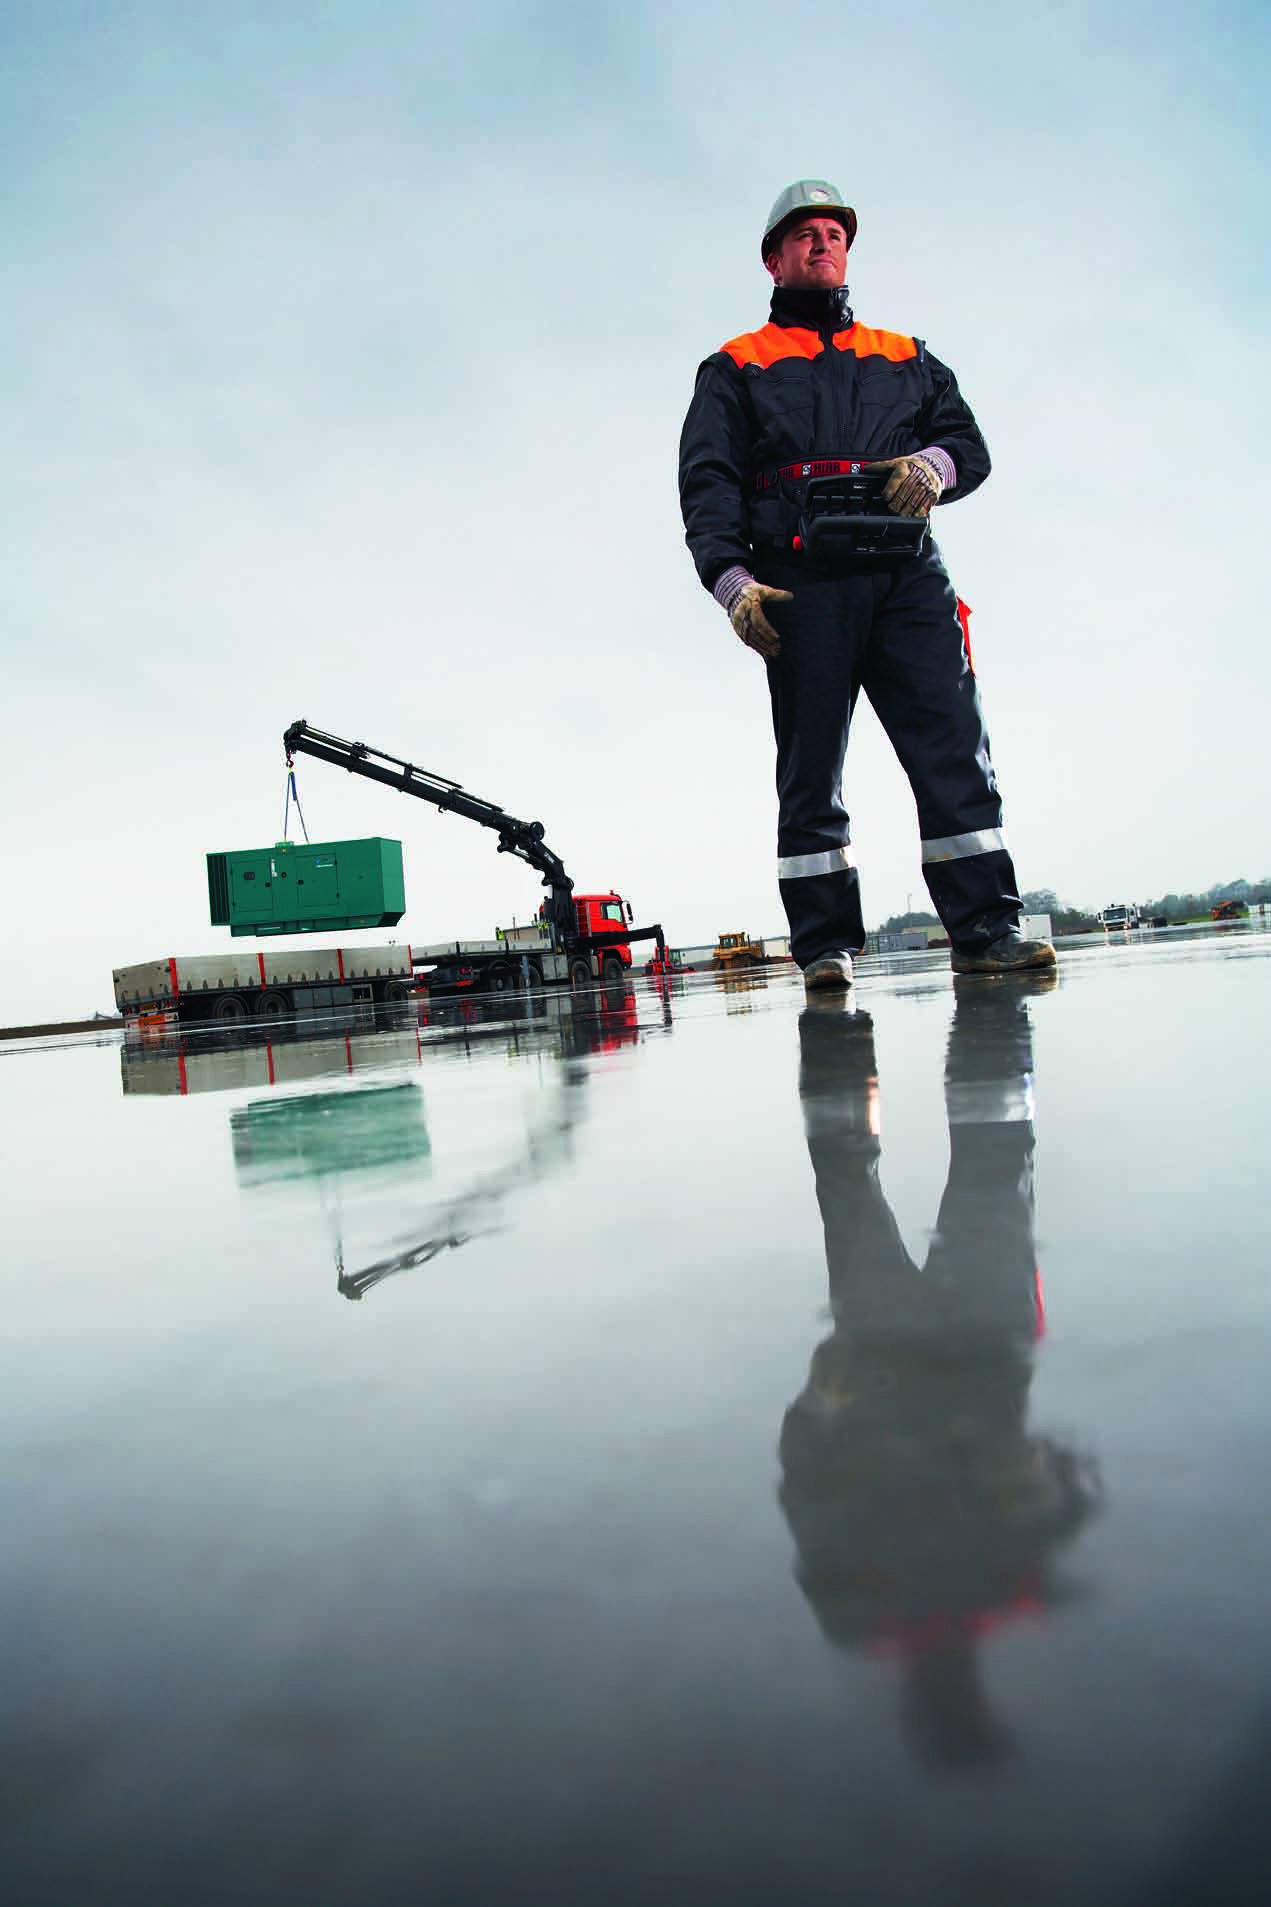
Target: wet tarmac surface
(656,1446)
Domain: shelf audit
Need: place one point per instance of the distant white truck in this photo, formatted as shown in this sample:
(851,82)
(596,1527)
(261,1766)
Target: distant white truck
(1118,916)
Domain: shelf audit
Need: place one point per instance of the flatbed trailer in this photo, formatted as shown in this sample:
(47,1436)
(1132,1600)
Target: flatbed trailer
(270,983)
(278,983)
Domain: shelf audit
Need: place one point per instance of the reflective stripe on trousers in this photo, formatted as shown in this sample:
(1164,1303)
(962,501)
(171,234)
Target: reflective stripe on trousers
(958,847)
(801,867)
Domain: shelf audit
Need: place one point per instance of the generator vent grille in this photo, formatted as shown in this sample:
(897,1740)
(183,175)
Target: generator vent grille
(218,889)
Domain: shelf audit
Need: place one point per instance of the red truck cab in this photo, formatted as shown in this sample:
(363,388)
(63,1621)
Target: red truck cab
(606,914)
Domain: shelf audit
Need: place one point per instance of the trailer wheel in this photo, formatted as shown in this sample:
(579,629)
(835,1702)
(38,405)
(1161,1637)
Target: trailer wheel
(536,974)
(612,970)
(230,1007)
(273,1004)
(395,990)
(500,978)
(579,972)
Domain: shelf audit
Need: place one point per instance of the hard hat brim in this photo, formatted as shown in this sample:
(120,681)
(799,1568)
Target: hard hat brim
(845,214)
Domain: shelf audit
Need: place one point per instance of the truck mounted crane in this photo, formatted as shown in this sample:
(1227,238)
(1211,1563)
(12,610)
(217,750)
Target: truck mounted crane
(576,940)
(580,937)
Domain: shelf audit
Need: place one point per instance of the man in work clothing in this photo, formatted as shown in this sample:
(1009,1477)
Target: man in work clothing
(813,395)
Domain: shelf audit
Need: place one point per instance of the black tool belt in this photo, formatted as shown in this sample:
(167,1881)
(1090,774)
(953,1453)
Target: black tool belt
(844,517)
(831,509)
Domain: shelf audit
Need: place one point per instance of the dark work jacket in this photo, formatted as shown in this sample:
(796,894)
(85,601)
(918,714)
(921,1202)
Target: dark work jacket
(810,385)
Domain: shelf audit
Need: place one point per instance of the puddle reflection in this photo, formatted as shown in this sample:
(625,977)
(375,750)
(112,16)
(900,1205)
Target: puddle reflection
(925,1511)
(327,1136)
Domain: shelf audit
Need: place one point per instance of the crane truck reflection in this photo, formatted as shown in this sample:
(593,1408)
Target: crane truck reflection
(371,1139)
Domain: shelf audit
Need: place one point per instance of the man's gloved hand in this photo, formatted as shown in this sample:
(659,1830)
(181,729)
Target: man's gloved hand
(914,485)
(748,618)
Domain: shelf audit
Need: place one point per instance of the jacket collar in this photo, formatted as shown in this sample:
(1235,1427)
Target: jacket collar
(824,311)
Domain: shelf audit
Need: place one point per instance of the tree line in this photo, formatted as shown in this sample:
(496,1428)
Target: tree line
(1076,920)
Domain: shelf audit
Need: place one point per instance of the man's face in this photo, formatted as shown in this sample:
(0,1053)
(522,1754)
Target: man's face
(812,255)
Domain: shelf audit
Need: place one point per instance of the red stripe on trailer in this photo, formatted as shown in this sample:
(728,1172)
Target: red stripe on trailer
(260,962)
(348,1051)
(185,1084)
(339,961)
(172,975)
(269,1062)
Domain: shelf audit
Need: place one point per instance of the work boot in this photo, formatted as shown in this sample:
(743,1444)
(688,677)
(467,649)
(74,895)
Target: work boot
(1009,953)
(829,970)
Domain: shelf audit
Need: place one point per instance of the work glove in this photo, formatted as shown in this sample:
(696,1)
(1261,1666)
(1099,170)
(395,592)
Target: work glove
(914,485)
(748,618)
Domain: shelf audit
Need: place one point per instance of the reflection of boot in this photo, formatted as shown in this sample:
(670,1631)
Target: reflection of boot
(838,1074)
(1030,980)
(981,1262)
(869,1268)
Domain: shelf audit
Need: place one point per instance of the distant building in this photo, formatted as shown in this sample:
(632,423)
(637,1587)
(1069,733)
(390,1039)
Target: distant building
(904,940)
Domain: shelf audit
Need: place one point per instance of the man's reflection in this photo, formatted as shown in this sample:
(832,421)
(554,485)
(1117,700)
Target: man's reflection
(925,1511)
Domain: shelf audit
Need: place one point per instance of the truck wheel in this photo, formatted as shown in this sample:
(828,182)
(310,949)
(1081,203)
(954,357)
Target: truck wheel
(500,978)
(536,974)
(611,970)
(579,972)
(273,1004)
(230,1007)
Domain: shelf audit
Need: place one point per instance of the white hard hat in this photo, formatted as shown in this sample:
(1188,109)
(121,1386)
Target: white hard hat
(817,196)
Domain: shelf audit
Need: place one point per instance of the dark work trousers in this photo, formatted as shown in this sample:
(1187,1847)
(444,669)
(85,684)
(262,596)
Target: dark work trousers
(895,633)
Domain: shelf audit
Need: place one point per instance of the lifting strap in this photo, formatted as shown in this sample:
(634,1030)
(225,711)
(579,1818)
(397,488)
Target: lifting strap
(292,794)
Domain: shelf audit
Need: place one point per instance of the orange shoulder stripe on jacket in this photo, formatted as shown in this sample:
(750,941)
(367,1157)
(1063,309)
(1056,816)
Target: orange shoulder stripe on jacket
(769,346)
(863,341)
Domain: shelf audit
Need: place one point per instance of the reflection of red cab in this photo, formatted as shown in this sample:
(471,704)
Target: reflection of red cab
(618,1021)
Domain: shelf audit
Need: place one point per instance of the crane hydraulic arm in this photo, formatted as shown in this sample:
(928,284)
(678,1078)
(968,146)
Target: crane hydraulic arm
(522,838)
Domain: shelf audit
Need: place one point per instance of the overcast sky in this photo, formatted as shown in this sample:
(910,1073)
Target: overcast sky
(344,353)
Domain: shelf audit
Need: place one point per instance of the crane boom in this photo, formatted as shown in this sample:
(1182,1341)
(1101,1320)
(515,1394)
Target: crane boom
(522,838)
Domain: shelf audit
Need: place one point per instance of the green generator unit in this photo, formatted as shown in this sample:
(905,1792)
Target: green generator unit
(309,888)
